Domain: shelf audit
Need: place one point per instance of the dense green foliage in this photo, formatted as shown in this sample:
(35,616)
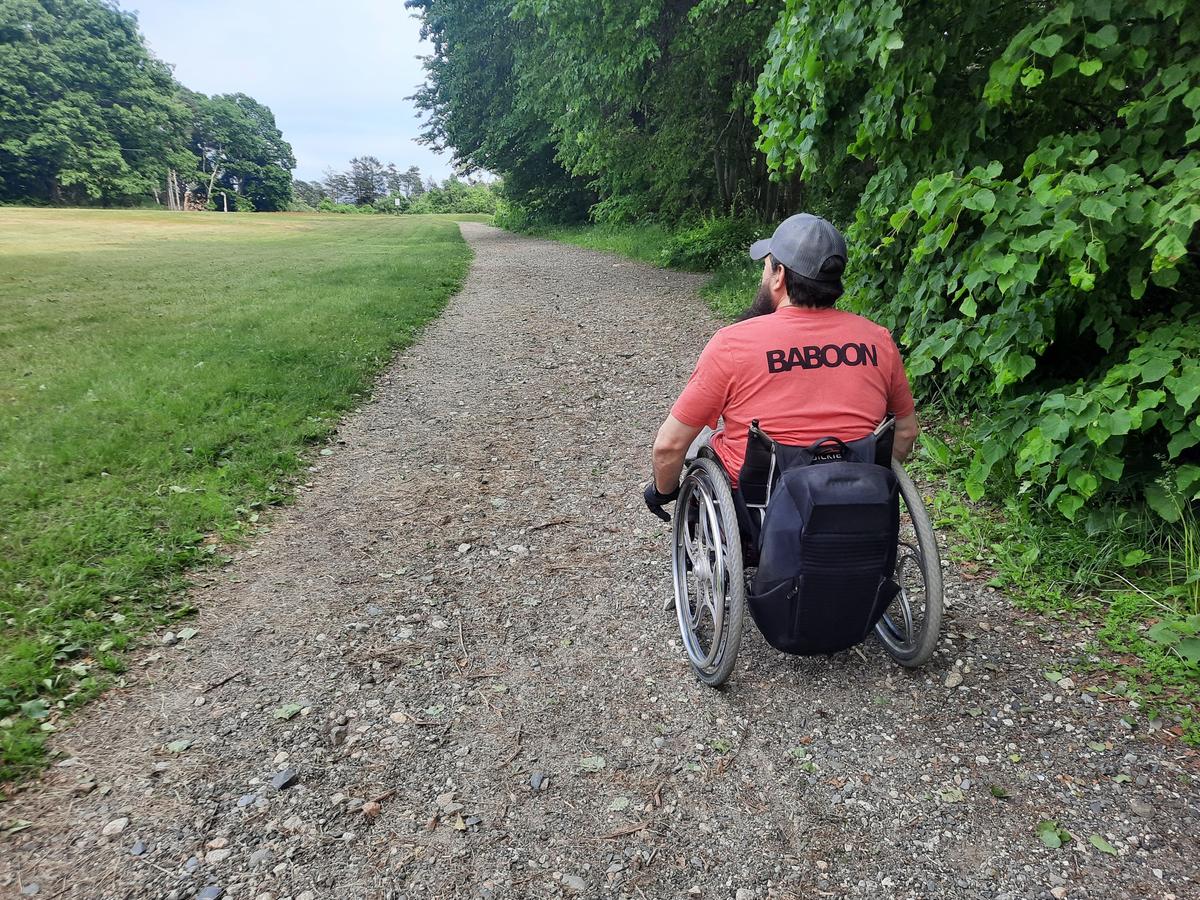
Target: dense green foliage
(86,114)
(89,117)
(126,456)
(644,106)
(241,150)
(1027,184)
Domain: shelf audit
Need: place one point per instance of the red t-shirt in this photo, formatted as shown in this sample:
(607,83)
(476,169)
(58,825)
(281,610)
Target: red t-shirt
(803,373)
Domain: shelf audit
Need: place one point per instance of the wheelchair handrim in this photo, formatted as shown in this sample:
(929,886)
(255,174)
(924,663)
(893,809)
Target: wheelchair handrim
(706,574)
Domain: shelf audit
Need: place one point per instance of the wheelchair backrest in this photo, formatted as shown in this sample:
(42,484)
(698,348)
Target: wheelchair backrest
(766,459)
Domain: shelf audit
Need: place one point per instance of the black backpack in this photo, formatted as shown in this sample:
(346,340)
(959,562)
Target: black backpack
(826,550)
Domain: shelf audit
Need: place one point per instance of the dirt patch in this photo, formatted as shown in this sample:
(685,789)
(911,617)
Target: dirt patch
(452,654)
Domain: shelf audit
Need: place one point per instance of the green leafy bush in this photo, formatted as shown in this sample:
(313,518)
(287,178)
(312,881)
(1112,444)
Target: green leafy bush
(716,243)
(1029,185)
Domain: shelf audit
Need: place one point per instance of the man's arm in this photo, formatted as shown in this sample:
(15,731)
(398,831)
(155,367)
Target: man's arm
(905,437)
(670,447)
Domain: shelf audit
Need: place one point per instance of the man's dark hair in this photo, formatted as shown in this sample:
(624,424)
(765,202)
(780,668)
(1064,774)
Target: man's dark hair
(807,292)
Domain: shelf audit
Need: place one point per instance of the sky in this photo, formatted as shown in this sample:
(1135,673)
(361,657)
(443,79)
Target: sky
(334,73)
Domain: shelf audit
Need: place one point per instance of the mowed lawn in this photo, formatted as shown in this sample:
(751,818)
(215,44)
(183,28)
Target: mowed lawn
(161,375)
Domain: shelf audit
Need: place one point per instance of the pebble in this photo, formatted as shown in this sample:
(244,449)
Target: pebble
(744,894)
(537,780)
(212,857)
(116,826)
(137,849)
(285,779)
(261,857)
(371,809)
(31,889)
(1141,808)
(953,679)
(1058,892)
(246,800)
(575,883)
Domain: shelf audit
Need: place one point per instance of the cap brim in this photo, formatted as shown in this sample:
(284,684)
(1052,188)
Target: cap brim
(759,249)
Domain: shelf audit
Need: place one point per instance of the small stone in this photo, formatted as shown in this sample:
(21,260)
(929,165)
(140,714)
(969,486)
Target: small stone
(169,639)
(285,779)
(137,849)
(744,894)
(293,823)
(1066,684)
(31,889)
(371,809)
(217,843)
(212,892)
(536,780)
(575,883)
(261,857)
(246,800)
(116,826)
(953,679)
(1141,808)
(307,895)
(1058,893)
(213,857)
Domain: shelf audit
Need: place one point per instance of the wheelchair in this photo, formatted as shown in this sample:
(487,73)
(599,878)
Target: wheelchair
(709,555)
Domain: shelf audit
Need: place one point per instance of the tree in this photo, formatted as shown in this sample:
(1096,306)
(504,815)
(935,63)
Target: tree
(1025,186)
(476,105)
(367,180)
(87,115)
(308,192)
(242,149)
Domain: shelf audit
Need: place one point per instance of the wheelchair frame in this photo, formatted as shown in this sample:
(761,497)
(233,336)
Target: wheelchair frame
(711,582)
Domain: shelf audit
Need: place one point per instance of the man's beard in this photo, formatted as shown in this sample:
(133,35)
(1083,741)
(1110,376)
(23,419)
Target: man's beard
(761,306)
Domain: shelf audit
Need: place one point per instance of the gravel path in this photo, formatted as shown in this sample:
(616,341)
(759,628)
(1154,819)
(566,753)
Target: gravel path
(463,617)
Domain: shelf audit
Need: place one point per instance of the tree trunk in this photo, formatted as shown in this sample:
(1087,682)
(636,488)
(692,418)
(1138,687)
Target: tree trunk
(212,180)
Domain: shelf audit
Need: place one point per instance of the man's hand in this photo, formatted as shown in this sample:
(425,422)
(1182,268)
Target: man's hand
(656,501)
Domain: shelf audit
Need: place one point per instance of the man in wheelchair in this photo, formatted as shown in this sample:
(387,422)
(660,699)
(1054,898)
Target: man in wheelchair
(794,382)
(804,369)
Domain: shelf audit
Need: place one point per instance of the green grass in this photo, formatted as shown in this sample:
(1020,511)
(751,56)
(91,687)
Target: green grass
(644,243)
(164,375)
(1131,578)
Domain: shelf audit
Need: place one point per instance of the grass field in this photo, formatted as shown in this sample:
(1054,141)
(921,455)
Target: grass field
(161,376)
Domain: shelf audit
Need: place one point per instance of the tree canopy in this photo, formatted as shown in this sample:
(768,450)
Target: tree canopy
(88,115)
(1028,182)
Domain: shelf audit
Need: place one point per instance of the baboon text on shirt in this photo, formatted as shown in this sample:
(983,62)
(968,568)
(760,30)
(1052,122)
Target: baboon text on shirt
(829,356)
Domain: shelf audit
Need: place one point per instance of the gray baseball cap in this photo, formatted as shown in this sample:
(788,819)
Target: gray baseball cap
(804,243)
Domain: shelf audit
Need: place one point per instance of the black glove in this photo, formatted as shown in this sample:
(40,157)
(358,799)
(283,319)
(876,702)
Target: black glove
(655,501)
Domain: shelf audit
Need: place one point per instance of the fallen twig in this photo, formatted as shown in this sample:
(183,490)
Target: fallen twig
(517,749)
(624,832)
(225,680)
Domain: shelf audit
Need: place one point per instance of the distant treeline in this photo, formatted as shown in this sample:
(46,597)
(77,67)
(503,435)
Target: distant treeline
(89,117)
(370,186)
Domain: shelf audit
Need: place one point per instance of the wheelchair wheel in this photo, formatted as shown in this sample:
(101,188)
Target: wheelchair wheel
(910,627)
(706,557)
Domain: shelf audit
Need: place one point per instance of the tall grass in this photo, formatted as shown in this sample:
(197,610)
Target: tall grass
(162,376)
